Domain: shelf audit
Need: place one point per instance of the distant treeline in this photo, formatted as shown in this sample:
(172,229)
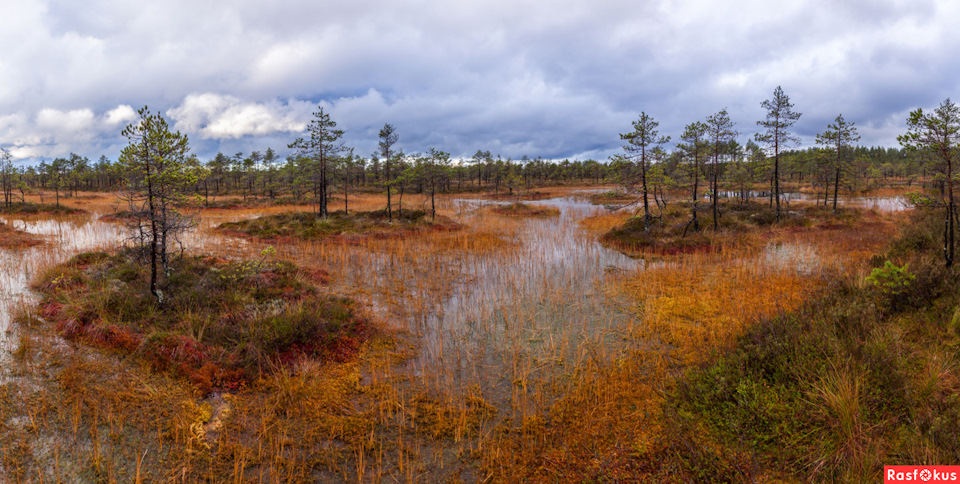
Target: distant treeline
(262,174)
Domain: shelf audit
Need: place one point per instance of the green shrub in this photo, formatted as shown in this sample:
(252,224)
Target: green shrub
(891,280)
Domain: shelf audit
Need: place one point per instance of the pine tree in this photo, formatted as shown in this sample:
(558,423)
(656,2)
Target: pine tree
(158,172)
(640,141)
(321,150)
(936,136)
(837,137)
(780,117)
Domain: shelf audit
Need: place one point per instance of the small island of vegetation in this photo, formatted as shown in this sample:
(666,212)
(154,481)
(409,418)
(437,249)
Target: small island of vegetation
(520,209)
(308,226)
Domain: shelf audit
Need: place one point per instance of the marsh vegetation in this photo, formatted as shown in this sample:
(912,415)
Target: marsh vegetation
(514,347)
(439,329)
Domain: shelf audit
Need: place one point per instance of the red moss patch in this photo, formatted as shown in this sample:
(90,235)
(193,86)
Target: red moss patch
(341,347)
(189,358)
(317,276)
(50,310)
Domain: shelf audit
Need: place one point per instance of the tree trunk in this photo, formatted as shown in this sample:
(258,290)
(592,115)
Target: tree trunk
(950,216)
(776,175)
(643,180)
(696,186)
(836,186)
(387,174)
(153,239)
(716,193)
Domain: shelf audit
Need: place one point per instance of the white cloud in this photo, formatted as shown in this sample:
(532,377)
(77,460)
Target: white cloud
(120,115)
(70,122)
(216,116)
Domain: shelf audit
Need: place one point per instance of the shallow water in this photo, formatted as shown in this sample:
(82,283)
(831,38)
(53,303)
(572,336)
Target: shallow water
(479,314)
(483,318)
(801,258)
(880,204)
(540,302)
(65,236)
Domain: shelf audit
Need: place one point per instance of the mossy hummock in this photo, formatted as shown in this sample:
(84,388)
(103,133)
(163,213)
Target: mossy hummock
(222,323)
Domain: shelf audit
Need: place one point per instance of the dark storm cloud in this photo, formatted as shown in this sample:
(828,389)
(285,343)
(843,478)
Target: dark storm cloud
(554,79)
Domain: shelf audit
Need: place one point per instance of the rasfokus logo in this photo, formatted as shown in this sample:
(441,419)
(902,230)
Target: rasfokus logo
(921,474)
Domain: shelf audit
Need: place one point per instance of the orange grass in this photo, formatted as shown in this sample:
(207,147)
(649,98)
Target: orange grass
(583,403)
(603,223)
(608,421)
(364,421)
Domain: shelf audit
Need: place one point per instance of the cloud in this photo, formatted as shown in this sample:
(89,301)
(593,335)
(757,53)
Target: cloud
(68,122)
(216,116)
(557,79)
(120,115)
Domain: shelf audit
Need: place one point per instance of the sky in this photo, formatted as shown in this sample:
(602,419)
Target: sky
(557,79)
